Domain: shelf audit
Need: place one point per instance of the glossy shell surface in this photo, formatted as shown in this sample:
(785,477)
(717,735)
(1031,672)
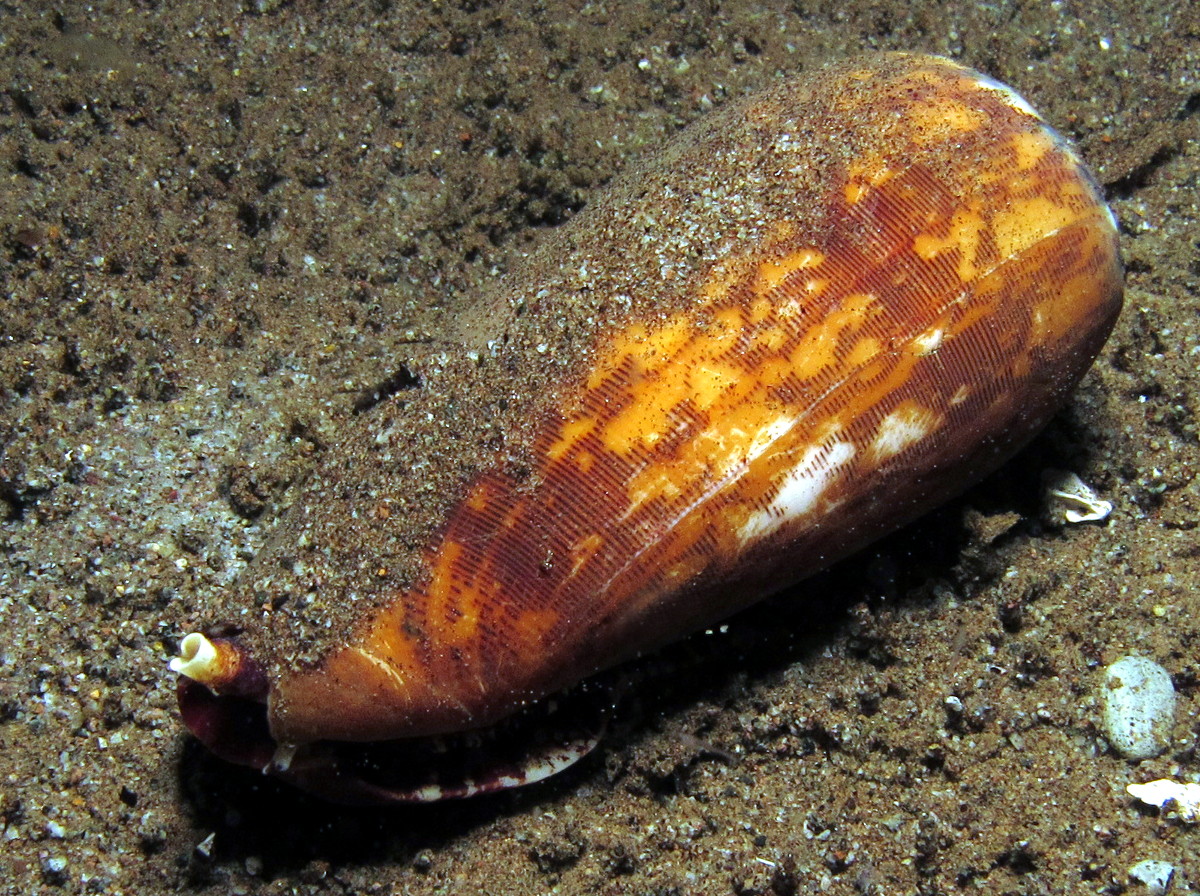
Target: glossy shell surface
(813,316)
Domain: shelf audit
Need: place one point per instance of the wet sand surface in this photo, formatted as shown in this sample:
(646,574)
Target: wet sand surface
(220,230)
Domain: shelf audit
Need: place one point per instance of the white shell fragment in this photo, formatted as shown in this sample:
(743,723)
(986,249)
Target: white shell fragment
(1068,499)
(1139,707)
(1183,799)
(1154,875)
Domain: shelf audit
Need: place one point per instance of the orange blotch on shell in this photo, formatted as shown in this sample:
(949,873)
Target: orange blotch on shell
(450,607)
(961,235)
(774,271)
(1029,148)
(1027,221)
(864,175)
(569,437)
(944,117)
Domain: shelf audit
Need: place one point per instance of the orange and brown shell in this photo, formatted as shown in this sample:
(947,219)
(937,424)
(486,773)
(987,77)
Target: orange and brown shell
(815,315)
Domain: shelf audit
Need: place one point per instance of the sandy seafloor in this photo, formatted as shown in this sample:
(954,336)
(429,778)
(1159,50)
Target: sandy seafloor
(221,222)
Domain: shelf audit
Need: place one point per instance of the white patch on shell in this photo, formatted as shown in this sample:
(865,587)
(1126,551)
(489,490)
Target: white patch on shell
(929,341)
(801,488)
(768,436)
(900,429)
(727,465)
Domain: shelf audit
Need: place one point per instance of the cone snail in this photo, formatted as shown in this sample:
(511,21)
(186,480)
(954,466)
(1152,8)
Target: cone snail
(814,315)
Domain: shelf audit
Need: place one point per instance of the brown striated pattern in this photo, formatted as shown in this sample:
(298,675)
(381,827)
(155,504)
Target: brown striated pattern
(865,360)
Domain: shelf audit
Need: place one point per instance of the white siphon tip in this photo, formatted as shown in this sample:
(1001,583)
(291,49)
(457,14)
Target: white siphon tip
(198,658)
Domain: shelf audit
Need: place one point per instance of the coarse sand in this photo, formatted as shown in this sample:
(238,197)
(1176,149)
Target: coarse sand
(224,224)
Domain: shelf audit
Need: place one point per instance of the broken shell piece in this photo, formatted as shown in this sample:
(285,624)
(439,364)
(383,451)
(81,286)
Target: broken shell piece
(1154,876)
(1068,499)
(1165,792)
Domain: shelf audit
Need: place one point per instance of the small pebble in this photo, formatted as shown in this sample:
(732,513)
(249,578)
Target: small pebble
(1139,707)
(151,833)
(1154,875)
(54,869)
